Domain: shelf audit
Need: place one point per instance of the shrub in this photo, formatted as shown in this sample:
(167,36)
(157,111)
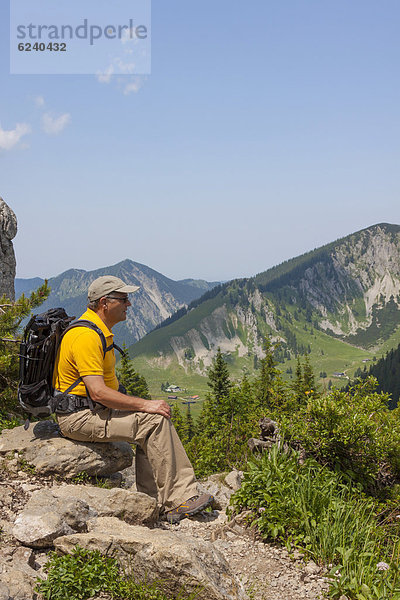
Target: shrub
(352,432)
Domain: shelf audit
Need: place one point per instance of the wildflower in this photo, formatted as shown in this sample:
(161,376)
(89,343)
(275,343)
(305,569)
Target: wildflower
(382,566)
(261,509)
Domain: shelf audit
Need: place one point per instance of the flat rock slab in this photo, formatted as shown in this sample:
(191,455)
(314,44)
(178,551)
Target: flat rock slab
(51,454)
(53,512)
(177,561)
(130,506)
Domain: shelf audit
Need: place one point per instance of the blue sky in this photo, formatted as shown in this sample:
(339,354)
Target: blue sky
(264,130)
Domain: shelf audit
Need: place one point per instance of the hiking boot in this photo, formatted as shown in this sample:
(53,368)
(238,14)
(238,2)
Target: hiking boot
(189,508)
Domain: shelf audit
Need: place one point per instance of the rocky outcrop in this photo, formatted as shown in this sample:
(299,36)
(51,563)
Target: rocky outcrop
(46,518)
(51,454)
(60,510)
(207,554)
(8,231)
(160,555)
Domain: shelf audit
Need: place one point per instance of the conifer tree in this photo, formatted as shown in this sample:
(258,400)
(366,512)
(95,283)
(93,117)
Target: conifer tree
(216,407)
(135,384)
(179,422)
(265,382)
(218,378)
(308,377)
(189,424)
(298,384)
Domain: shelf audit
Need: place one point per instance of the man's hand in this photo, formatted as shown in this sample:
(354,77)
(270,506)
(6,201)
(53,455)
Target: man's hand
(159,407)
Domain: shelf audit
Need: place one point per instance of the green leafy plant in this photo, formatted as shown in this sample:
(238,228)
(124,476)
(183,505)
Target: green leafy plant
(85,573)
(312,508)
(77,576)
(81,477)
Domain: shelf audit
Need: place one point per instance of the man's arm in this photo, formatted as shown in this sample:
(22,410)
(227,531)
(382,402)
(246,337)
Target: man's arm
(99,392)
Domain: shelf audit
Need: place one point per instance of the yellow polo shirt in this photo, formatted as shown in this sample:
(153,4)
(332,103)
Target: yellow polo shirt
(81,353)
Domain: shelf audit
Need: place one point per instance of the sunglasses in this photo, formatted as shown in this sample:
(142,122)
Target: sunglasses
(124,300)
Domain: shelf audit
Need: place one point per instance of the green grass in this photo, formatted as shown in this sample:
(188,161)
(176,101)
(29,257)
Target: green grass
(194,383)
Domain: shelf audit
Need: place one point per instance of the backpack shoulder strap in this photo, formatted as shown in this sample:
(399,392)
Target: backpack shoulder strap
(119,349)
(94,327)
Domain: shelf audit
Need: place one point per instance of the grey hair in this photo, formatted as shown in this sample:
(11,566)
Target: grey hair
(94,304)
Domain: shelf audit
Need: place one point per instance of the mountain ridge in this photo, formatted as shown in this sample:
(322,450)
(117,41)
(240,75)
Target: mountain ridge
(158,296)
(345,294)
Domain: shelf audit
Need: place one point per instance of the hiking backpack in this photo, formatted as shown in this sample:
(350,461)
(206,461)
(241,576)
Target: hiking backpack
(37,356)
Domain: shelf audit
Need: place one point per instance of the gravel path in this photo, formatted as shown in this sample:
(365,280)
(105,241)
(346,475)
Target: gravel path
(267,571)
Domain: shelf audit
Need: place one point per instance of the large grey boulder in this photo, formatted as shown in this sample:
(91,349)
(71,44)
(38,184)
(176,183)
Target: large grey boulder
(51,454)
(53,512)
(46,517)
(175,560)
(8,231)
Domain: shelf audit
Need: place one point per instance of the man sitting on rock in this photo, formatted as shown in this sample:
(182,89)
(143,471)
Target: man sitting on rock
(98,412)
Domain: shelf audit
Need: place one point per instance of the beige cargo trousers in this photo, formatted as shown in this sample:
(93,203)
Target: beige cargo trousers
(163,469)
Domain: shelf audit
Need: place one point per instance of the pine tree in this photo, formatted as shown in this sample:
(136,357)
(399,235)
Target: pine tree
(218,379)
(308,377)
(216,406)
(179,422)
(135,384)
(265,382)
(189,424)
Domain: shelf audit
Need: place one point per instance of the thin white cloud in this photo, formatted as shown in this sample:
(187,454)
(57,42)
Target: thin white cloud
(55,125)
(105,76)
(10,138)
(39,101)
(126,68)
(133,86)
(129,36)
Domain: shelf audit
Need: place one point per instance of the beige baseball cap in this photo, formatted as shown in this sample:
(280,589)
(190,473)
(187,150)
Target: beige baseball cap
(102,286)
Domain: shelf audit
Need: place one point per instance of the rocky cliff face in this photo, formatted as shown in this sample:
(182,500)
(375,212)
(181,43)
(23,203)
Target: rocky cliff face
(361,278)
(8,231)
